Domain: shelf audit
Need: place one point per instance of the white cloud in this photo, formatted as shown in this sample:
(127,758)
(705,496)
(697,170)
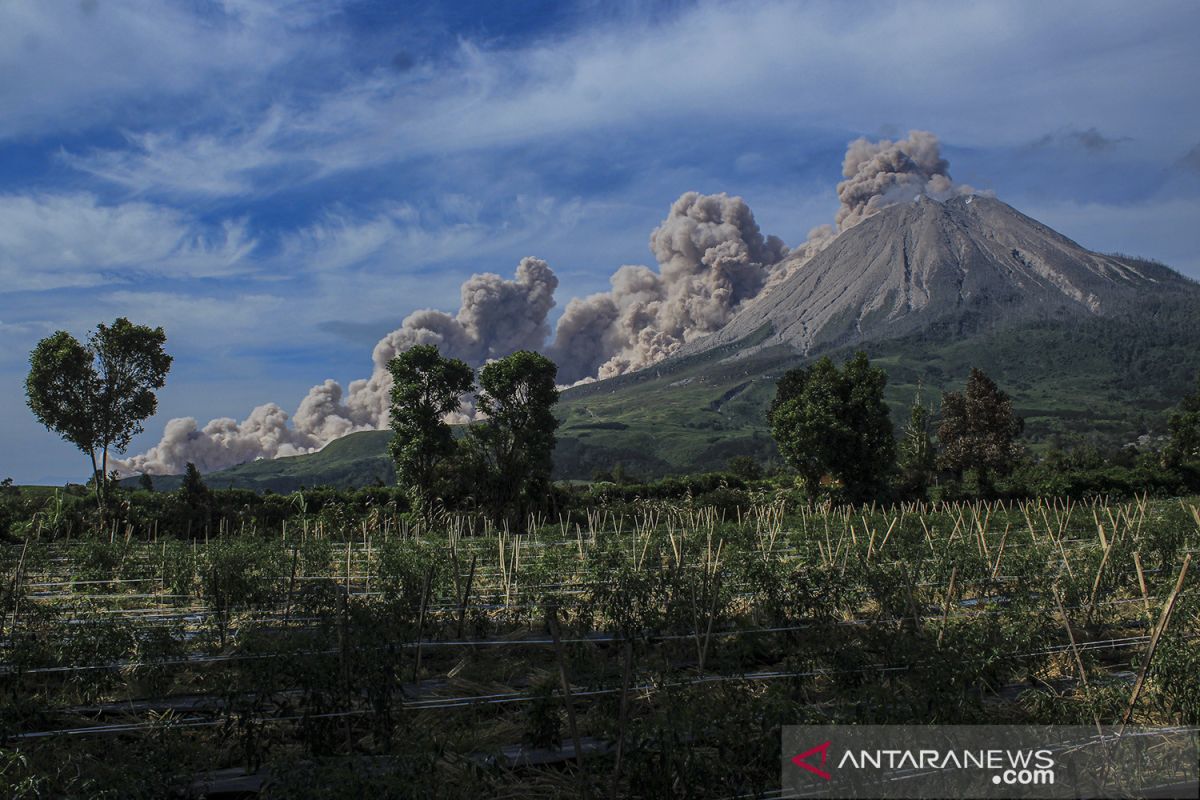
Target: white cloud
(991,74)
(169,162)
(68,66)
(50,241)
(202,320)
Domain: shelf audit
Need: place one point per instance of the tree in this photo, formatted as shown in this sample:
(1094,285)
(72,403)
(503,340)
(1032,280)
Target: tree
(425,388)
(146,483)
(979,430)
(96,395)
(834,422)
(744,467)
(193,490)
(918,453)
(514,448)
(1184,427)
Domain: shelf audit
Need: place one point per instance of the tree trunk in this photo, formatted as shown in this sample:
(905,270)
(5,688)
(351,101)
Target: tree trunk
(96,484)
(104,475)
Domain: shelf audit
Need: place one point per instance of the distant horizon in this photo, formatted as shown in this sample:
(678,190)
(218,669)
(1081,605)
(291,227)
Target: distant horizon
(280,187)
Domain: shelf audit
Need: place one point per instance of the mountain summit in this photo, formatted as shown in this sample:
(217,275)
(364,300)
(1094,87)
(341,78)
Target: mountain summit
(969,260)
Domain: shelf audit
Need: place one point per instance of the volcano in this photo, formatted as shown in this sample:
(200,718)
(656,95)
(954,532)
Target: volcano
(970,261)
(1089,345)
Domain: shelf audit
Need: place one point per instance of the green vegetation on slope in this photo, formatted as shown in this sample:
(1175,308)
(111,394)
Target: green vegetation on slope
(1104,379)
(360,459)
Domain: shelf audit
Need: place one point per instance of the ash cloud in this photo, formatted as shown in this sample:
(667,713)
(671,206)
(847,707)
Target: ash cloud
(712,260)
(497,316)
(884,173)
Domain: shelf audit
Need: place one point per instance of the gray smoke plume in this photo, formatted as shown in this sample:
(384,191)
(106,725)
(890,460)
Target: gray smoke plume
(883,173)
(712,261)
(497,316)
(712,257)
(221,443)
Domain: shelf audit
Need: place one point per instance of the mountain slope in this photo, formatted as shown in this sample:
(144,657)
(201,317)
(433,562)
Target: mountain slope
(972,259)
(1087,344)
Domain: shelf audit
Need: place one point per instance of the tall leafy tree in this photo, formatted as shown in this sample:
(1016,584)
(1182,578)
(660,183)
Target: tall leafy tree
(831,421)
(979,430)
(425,388)
(918,452)
(96,395)
(1184,426)
(514,447)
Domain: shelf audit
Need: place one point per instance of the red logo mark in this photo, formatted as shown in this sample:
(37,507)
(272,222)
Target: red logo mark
(802,762)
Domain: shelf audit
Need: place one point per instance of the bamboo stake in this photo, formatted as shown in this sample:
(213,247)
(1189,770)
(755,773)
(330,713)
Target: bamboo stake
(421,622)
(1163,619)
(16,589)
(466,597)
(1137,562)
(946,610)
(344,664)
(1096,583)
(552,622)
(287,610)
(1078,659)
(1000,554)
(626,674)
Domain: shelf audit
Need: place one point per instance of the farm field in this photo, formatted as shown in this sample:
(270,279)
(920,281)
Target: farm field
(641,649)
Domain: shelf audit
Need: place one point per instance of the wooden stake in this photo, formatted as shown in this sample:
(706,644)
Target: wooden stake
(1078,660)
(946,611)
(287,610)
(1137,562)
(626,674)
(1163,619)
(466,598)
(421,622)
(552,623)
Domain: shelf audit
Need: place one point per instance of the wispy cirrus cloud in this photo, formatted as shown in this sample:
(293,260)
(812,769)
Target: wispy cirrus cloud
(73,66)
(58,240)
(778,64)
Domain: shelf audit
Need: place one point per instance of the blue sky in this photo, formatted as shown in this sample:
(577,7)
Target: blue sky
(278,184)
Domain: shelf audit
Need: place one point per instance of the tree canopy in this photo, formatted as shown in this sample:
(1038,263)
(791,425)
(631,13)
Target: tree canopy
(514,446)
(917,452)
(979,429)
(1183,425)
(425,388)
(830,421)
(96,395)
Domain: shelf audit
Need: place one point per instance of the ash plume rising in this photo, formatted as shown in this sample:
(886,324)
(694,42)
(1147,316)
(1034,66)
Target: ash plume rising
(497,316)
(712,260)
(712,257)
(881,174)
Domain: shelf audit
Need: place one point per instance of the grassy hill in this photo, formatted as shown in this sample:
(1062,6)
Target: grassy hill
(1106,379)
(360,459)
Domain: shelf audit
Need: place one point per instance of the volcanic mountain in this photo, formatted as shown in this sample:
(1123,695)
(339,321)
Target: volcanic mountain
(970,259)
(1088,344)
